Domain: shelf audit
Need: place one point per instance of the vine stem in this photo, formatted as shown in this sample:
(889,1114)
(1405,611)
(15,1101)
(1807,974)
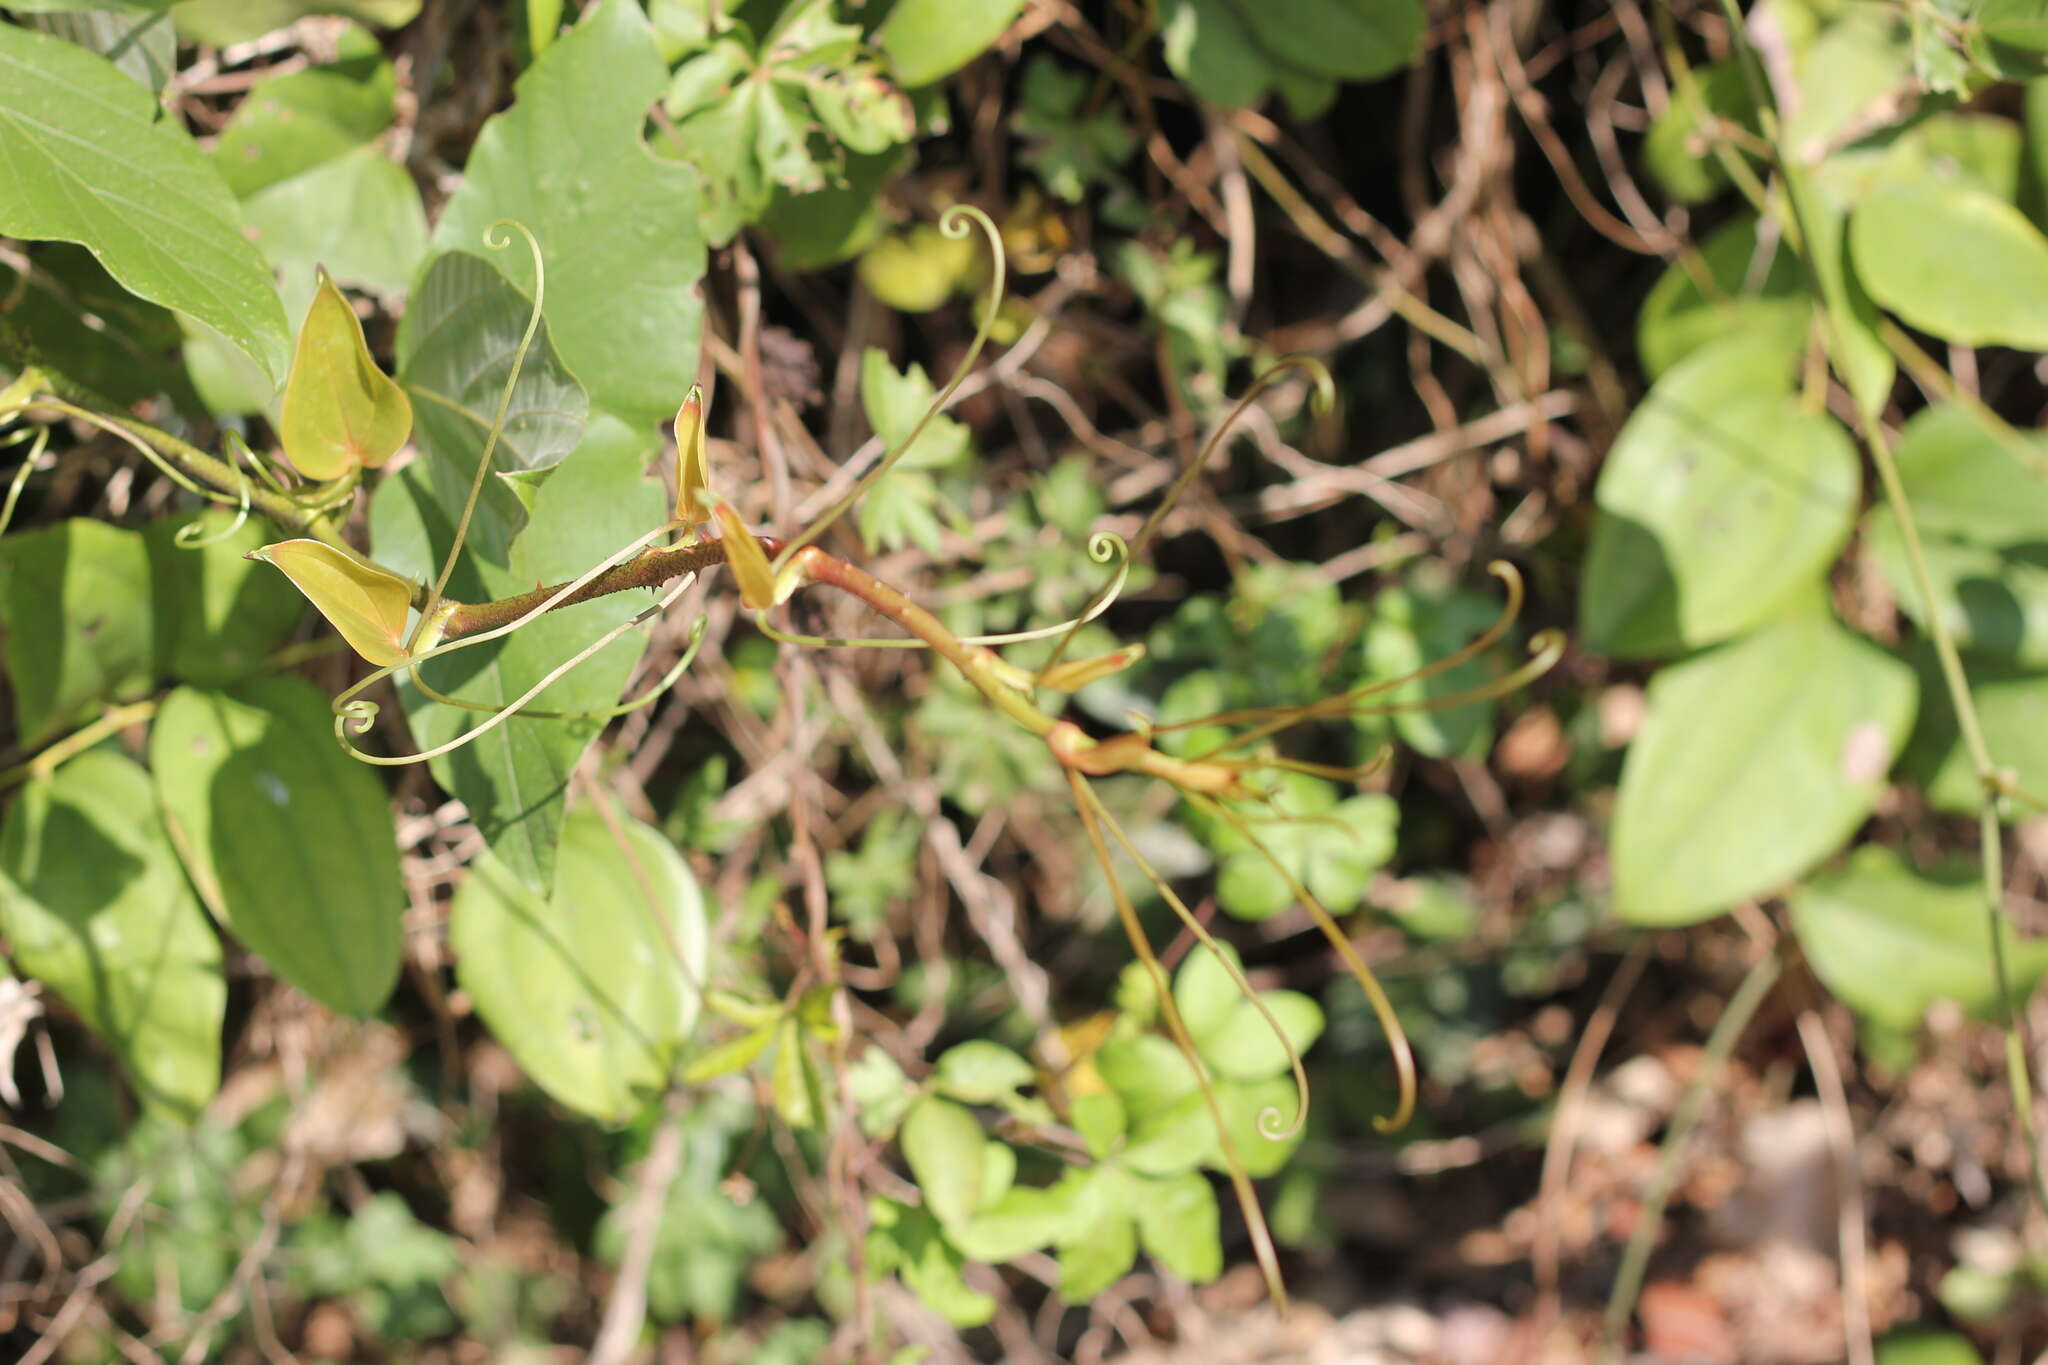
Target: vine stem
(1628,1280)
(1991,784)
(115,720)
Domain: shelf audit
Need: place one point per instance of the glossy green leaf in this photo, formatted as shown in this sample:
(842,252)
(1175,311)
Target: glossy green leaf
(340,411)
(76,601)
(90,335)
(358,217)
(368,606)
(943,1143)
(456,346)
(288,838)
(1954,261)
(928,40)
(286,125)
(87,159)
(1981,502)
(514,779)
(1720,502)
(1179,1227)
(1891,941)
(980,1072)
(1759,290)
(618,227)
(218,613)
(585,989)
(95,906)
(1756,761)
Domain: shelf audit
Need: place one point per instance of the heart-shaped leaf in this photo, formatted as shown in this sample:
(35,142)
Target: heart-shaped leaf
(1954,261)
(340,411)
(367,605)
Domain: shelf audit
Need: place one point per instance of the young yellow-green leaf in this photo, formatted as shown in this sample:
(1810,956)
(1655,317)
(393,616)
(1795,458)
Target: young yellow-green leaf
(926,40)
(943,1143)
(95,906)
(981,1072)
(585,990)
(794,1083)
(693,469)
(747,560)
(288,838)
(366,604)
(735,1054)
(1178,1226)
(340,411)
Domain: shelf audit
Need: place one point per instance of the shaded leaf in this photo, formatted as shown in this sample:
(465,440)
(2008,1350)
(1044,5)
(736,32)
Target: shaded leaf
(96,907)
(218,613)
(288,838)
(1758,289)
(80,629)
(288,124)
(358,217)
(927,40)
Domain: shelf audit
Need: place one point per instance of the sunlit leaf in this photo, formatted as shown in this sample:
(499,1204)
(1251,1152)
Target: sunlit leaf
(340,411)
(365,604)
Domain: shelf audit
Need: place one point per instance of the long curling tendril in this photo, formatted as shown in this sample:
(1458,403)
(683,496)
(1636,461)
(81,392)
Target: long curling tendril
(1240,1178)
(496,240)
(954,223)
(1322,400)
(1271,1123)
(653,692)
(1397,1036)
(193,534)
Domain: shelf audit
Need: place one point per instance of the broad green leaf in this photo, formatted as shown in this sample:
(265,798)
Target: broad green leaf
(1859,57)
(218,613)
(1100,1120)
(76,601)
(138,39)
(1891,941)
(1955,261)
(86,159)
(2015,23)
(287,838)
(1147,1070)
(365,604)
(340,411)
(1720,502)
(223,23)
(1178,1226)
(618,226)
(1756,761)
(1856,350)
(358,217)
(943,1143)
(2012,708)
(1233,51)
(96,907)
(456,347)
(1250,1108)
(585,989)
(1758,290)
(286,125)
(881,1090)
(917,1249)
(1979,495)
(514,779)
(928,40)
(981,1072)
(1203,991)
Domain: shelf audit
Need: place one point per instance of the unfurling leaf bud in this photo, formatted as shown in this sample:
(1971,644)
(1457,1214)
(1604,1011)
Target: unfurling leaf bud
(693,468)
(1075,674)
(366,604)
(341,412)
(747,559)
